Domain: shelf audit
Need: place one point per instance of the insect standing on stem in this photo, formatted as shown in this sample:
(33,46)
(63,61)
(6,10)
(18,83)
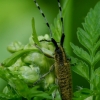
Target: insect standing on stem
(61,65)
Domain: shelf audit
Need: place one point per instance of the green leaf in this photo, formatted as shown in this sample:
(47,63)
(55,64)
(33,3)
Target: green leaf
(96,46)
(43,95)
(8,96)
(97,57)
(36,93)
(20,86)
(4,73)
(82,94)
(16,84)
(97,79)
(35,38)
(11,60)
(52,88)
(84,38)
(65,7)
(90,35)
(82,69)
(56,28)
(81,53)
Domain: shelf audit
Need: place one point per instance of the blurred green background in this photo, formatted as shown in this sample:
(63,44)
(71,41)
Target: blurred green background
(15,24)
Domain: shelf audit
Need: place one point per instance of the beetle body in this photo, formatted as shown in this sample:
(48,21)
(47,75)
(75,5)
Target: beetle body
(63,73)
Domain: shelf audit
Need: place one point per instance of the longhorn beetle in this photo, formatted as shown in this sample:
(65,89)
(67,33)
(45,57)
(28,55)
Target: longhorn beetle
(61,65)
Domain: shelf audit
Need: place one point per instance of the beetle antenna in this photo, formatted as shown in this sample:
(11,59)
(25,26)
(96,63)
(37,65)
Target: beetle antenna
(61,18)
(42,13)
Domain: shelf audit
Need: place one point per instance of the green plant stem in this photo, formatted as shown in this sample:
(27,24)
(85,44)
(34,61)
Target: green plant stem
(91,74)
(92,70)
(91,85)
(91,79)
(97,97)
(65,6)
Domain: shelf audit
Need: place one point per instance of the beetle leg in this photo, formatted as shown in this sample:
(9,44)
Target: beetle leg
(48,55)
(43,76)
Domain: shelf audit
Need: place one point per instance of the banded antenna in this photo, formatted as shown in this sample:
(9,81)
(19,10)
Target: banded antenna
(44,17)
(61,18)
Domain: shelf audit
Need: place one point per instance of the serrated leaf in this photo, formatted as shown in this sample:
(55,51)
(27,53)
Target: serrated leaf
(97,79)
(91,25)
(34,35)
(81,69)
(89,37)
(84,38)
(97,44)
(81,53)
(97,57)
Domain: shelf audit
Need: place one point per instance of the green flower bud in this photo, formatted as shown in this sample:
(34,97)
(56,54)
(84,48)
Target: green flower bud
(49,79)
(15,46)
(29,46)
(31,41)
(16,65)
(40,60)
(29,74)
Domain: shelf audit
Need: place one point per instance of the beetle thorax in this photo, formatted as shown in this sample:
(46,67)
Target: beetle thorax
(59,55)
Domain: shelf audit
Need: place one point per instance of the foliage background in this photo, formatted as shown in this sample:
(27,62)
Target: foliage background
(15,24)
